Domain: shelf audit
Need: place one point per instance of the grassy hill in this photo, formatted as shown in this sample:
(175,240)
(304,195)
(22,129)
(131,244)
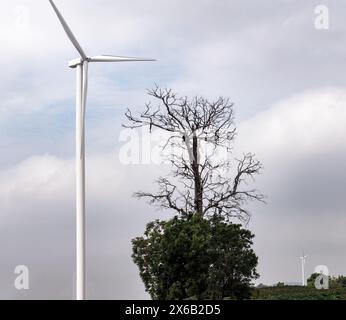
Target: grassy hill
(298,293)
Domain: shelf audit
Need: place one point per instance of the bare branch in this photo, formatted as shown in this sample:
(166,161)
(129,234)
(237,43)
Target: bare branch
(199,184)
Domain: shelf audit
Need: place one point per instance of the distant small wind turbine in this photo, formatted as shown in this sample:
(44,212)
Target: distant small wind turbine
(303,261)
(81,65)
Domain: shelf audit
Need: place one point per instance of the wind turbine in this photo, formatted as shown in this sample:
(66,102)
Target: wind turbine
(81,65)
(303,261)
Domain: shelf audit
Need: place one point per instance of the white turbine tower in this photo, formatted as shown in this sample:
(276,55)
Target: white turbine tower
(303,261)
(81,65)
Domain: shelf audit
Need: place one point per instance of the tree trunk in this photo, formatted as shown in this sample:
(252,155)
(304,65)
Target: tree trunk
(197,178)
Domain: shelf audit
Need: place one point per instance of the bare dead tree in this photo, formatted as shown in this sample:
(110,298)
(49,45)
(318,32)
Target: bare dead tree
(198,184)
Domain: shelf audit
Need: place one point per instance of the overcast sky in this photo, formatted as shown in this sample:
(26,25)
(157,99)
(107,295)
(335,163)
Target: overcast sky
(285,77)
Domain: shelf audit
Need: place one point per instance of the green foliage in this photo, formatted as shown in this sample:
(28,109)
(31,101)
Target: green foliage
(311,280)
(298,293)
(334,282)
(337,282)
(336,291)
(195,258)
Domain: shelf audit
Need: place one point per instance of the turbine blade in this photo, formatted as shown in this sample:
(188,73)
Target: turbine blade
(116,59)
(68,31)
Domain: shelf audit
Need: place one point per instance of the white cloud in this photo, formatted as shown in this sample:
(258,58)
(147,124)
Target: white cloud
(300,142)
(305,124)
(37,225)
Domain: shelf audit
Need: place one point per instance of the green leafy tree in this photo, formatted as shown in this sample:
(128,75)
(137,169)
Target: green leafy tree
(197,258)
(334,282)
(311,280)
(337,282)
(199,253)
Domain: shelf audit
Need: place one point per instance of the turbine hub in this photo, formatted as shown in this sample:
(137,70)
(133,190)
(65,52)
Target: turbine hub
(75,62)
